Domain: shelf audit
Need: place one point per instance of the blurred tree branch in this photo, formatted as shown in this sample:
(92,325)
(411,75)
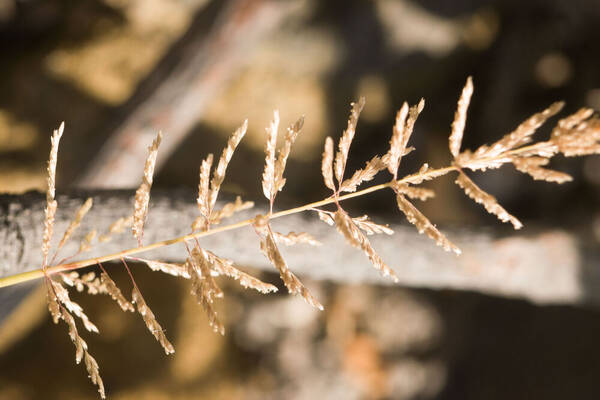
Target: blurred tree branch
(546,267)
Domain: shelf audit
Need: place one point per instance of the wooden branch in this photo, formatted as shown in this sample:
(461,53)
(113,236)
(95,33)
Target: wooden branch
(205,64)
(545,267)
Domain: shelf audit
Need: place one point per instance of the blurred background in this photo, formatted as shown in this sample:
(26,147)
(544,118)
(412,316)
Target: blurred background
(117,71)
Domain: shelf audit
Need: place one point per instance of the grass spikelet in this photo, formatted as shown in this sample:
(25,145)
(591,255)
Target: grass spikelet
(52,160)
(81,352)
(413,192)
(167,268)
(63,298)
(203,199)
(341,157)
(50,213)
(87,281)
(86,243)
(290,137)
(53,306)
(150,320)
(51,205)
(423,225)
(203,300)
(58,304)
(85,207)
(219,174)
(115,293)
(460,118)
(230,209)
(293,238)
(371,227)
(80,344)
(268,177)
(581,139)
(403,128)
(203,266)
(94,373)
(372,168)
(425,173)
(116,227)
(327,164)
(564,125)
(204,289)
(486,200)
(347,227)
(522,134)
(397,141)
(326,217)
(142,194)
(225,267)
(269,248)
(533,167)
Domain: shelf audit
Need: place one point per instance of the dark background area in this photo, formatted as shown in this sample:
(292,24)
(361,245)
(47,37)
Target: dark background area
(91,63)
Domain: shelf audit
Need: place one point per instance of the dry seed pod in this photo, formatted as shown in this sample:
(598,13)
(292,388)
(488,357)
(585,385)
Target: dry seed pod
(366,174)
(116,227)
(290,137)
(222,266)
(346,140)
(326,217)
(327,164)
(142,194)
(413,192)
(167,268)
(268,178)
(219,173)
(293,238)
(150,320)
(85,207)
(347,227)
(115,293)
(203,199)
(487,200)
(532,167)
(423,225)
(62,295)
(397,141)
(204,289)
(86,243)
(230,209)
(460,118)
(269,248)
(371,227)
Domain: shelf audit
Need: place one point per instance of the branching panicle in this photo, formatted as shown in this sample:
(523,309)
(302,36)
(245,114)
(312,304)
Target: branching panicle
(574,135)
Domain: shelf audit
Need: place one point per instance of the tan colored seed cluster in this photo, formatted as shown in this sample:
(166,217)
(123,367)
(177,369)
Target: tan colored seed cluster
(142,194)
(208,190)
(150,320)
(575,135)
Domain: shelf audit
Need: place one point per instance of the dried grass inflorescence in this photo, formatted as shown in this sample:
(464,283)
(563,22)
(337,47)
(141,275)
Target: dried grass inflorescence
(574,135)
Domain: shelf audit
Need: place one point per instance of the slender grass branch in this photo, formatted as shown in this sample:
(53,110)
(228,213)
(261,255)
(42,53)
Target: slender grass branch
(39,273)
(418,176)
